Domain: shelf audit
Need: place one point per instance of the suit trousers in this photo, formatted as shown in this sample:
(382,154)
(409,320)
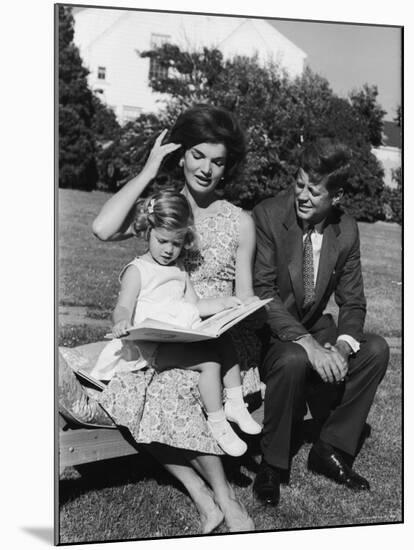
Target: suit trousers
(291,382)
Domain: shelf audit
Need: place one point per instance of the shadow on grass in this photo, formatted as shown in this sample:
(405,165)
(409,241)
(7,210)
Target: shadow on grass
(250,461)
(133,469)
(115,472)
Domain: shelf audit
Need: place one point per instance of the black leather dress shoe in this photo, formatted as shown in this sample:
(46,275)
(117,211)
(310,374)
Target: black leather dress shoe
(266,486)
(325,460)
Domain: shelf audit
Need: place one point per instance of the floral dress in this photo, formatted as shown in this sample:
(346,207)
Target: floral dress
(212,269)
(166,407)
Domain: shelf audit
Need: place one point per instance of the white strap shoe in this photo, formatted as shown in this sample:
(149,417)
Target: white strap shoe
(239,414)
(228,440)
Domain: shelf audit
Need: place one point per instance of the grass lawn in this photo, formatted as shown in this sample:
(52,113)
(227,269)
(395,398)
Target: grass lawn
(132,497)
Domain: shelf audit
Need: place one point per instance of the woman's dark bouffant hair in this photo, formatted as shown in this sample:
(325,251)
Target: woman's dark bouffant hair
(168,210)
(205,123)
(328,160)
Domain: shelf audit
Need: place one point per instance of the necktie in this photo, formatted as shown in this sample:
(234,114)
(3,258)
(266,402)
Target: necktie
(308,275)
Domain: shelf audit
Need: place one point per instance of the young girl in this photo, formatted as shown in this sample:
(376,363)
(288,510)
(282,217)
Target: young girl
(156,286)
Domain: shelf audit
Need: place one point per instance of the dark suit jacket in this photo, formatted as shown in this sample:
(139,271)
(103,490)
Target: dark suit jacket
(278,270)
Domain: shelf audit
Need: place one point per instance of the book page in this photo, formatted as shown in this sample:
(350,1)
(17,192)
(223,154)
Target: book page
(216,324)
(148,324)
(156,331)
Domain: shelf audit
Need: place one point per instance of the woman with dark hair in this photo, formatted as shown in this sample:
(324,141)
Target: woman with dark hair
(200,125)
(206,124)
(208,144)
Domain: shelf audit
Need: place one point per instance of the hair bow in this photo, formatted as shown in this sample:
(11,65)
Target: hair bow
(150,207)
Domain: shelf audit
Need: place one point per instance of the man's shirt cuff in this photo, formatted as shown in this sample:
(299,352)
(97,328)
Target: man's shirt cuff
(353,344)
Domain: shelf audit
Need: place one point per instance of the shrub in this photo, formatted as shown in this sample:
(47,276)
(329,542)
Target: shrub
(277,114)
(393,199)
(77,166)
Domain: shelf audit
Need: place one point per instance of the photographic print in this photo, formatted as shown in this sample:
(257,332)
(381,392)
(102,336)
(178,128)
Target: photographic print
(228,274)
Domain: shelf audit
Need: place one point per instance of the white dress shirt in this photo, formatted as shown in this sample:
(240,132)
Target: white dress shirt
(317,238)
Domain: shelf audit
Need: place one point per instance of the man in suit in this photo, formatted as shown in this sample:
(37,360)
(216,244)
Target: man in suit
(307,250)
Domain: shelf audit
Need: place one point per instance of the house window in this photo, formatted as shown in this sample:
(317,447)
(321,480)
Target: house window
(130,113)
(155,69)
(101,73)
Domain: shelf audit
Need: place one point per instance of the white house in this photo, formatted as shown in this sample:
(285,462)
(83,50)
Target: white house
(111,40)
(389,154)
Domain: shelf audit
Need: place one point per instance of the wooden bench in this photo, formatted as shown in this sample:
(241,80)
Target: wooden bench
(80,443)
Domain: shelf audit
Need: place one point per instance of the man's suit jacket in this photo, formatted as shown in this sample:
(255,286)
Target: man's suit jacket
(278,270)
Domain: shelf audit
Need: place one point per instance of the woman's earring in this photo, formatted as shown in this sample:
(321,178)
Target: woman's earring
(181,162)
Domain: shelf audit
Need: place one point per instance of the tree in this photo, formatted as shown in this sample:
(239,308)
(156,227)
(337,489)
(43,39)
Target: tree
(369,112)
(277,114)
(126,156)
(77,166)
(393,199)
(398,117)
(363,198)
(105,129)
(105,126)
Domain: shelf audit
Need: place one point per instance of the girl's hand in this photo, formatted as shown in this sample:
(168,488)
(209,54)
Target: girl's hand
(158,153)
(231,301)
(121,328)
(250,300)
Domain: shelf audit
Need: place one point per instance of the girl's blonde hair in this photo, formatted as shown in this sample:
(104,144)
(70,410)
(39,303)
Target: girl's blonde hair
(167,209)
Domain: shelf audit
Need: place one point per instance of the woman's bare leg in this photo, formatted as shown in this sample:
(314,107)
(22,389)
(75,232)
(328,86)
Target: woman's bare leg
(184,465)
(235,514)
(176,463)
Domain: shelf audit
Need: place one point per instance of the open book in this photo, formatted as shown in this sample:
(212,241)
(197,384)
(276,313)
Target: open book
(212,327)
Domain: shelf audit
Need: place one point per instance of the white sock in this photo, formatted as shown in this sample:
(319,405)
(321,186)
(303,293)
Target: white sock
(216,416)
(235,395)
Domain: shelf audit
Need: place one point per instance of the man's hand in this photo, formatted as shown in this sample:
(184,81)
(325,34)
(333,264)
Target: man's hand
(327,361)
(344,349)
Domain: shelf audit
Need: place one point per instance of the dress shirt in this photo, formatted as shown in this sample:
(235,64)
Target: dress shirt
(317,239)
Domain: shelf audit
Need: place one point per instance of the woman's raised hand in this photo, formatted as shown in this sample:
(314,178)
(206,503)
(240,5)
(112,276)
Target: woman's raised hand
(158,153)
(117,212)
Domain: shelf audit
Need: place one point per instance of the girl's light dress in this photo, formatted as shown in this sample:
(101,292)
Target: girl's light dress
(165,407)
(161,298)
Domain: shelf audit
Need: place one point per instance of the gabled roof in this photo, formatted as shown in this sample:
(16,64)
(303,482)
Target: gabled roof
(101,21)
(96,22)
(268,33)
